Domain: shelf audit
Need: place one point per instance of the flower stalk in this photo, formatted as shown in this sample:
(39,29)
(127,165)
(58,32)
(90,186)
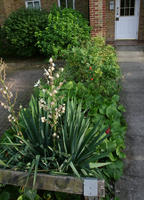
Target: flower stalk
(9,100)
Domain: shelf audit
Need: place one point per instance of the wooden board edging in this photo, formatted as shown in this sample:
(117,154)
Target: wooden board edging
(67,184)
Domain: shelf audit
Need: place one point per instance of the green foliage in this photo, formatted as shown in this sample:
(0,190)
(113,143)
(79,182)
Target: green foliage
(19,29)
(95,64)
(75,152)
(108,111)
(66,28)
(29,195)
(9,192)
(5,48)
(16,193)
(5,196)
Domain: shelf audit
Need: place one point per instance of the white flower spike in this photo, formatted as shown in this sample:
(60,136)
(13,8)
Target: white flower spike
(37,83)
(43,119)
(50,60)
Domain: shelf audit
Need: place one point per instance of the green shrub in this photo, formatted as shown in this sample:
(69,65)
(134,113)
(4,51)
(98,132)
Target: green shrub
(5,48)
(94,63)
(20,27)
(66,28)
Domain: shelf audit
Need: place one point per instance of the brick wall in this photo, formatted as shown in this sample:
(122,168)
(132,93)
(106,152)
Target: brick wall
(12,5)
(141,22)
(110,22)
(2,12)
(97,9)
(8,6)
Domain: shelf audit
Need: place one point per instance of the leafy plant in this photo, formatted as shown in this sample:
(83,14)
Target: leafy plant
(65,28)
(19,29)
(6,49)
(5,196)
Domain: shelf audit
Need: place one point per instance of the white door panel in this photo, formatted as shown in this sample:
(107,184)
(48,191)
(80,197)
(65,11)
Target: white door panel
(127,19)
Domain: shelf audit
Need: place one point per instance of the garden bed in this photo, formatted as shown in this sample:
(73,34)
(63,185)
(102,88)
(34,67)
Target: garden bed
(74,123)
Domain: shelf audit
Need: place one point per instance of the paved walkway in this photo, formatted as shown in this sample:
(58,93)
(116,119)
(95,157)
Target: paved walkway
(21,77)
(131,59)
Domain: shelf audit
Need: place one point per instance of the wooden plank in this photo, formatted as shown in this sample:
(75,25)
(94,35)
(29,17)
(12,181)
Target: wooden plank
(45,182)
(67,184)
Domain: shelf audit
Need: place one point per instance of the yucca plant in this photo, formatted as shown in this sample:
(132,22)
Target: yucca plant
(52,137)
(74,152)
(80,142)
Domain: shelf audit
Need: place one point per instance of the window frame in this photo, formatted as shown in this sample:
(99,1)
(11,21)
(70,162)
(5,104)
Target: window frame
(124,7)
(66,1)
(32,1)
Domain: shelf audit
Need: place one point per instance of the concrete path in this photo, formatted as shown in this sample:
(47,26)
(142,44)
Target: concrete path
(131,60)
(21,77)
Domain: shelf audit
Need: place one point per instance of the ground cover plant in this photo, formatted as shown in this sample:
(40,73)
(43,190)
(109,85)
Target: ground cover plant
(74,123)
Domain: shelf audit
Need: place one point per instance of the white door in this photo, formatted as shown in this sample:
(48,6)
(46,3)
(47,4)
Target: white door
(127,19)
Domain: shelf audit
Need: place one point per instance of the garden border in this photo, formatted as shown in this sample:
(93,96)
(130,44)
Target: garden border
(67,184)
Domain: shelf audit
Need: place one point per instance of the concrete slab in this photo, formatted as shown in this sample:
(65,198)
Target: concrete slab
(130,188)
(131,60)
(134,168)
(134,146)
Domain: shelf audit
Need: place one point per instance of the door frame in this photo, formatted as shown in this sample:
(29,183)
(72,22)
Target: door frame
(138,14)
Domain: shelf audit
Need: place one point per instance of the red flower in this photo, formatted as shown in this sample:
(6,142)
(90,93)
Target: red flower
(91,79)
(90,68)
(108,131)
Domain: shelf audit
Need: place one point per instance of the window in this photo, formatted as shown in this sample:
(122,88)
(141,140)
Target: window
(127,8)
(33,4)
(66,3)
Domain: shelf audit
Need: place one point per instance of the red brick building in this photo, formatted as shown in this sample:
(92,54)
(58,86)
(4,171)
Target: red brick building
(113,19)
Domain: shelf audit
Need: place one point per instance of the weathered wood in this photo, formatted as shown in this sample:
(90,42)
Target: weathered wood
(45,182)
(67,184)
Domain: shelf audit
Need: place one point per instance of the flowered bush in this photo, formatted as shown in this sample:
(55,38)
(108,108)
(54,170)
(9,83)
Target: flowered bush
(95,64)
(65,28)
